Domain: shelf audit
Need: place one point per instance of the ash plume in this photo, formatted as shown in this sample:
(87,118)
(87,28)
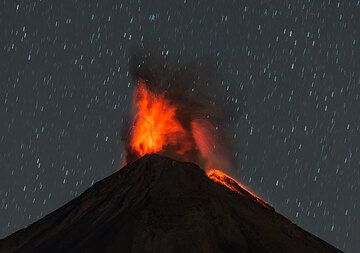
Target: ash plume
(199,93)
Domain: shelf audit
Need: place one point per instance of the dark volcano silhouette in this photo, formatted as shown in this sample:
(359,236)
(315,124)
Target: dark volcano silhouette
(157,204)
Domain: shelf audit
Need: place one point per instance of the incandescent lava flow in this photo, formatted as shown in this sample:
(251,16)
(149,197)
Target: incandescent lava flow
(234,185)
(160,125)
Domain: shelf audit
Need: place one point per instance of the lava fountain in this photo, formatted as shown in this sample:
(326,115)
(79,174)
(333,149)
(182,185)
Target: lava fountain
(159,125)
(156,127)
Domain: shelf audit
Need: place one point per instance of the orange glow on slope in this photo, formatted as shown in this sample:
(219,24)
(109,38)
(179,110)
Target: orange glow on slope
(232,184)
(156,126)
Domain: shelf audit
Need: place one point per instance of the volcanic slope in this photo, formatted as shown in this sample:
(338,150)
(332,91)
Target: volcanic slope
(157,204)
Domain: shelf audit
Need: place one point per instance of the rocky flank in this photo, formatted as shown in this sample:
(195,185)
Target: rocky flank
(157,204)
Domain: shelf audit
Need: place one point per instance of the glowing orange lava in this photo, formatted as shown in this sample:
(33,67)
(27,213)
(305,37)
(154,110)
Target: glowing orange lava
(232,184)
(156,126)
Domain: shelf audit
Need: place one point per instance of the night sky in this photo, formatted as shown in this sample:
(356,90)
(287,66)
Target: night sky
(290,69)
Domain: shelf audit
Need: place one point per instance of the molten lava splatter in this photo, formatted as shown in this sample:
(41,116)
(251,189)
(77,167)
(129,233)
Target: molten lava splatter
(156,126)
(232,184)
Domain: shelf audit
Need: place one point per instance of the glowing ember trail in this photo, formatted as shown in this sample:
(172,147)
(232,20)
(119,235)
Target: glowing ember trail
(232,184)
(156,126)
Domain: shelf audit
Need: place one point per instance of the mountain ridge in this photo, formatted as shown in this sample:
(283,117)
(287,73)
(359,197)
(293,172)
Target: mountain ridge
(157,204)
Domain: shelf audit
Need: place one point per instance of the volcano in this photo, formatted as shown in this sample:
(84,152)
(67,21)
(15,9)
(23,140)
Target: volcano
(157,204)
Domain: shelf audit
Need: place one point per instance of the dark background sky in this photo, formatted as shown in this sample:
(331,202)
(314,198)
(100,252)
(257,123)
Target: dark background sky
(65,93)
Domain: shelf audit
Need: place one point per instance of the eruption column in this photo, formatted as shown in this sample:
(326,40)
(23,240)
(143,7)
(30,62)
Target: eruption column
(158,128)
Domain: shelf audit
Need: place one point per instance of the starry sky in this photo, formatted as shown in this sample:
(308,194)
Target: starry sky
(65,94)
